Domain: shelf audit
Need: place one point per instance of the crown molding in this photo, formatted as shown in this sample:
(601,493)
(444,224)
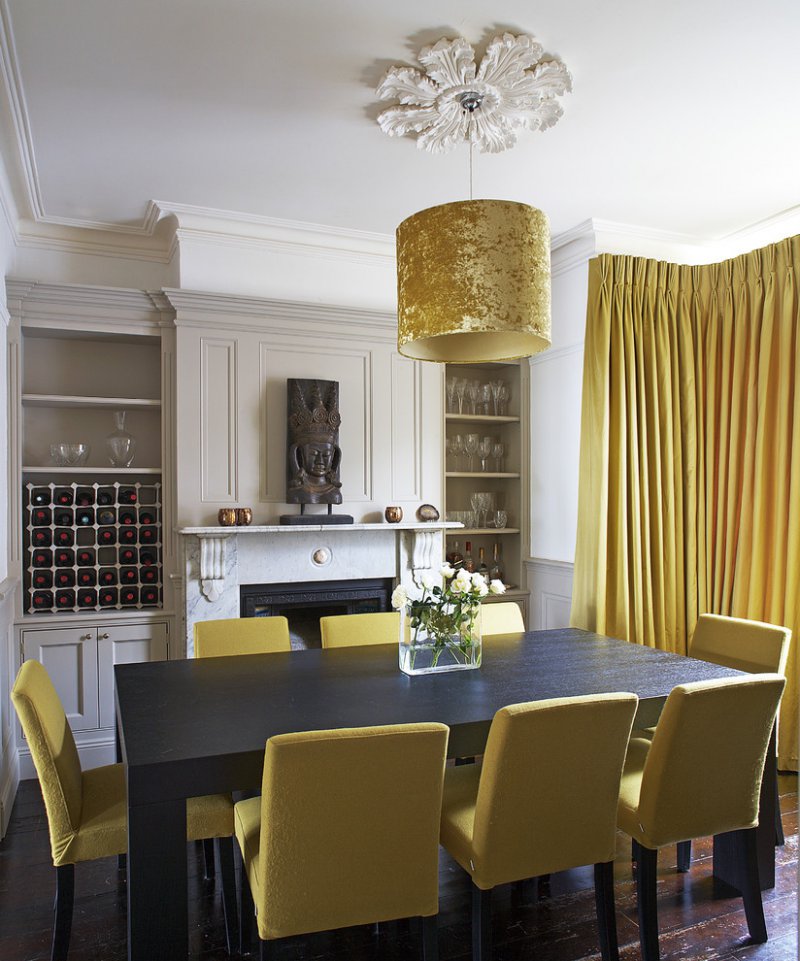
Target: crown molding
(557,353)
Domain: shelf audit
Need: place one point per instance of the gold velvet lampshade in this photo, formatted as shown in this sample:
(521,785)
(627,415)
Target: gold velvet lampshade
(473,282)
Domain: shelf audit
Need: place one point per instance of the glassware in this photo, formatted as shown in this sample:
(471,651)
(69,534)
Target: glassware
(460,388)
(457,442)
(484,451)
(450,387)
(497,453)
(78,454)
(471,442)
(475,501)
(59,454)
(495,386)
(121,445)
(474,394)
(486,399)
(500,518)
(504,395)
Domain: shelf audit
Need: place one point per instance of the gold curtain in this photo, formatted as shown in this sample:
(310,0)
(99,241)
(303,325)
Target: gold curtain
(689,495)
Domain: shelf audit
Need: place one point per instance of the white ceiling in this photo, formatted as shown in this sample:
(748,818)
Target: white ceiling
(684,114)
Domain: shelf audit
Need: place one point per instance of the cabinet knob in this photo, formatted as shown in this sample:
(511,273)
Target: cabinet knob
(104,637)
(86,637)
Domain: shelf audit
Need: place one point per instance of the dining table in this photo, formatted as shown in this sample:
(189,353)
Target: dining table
(199,726)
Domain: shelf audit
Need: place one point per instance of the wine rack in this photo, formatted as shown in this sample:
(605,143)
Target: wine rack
(92,547)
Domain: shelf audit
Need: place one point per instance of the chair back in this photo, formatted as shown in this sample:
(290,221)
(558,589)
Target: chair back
(241,635)
(350,827)
(357,630)
(504,617)
(547,798)
(750,646)
(702,775)
(55,756)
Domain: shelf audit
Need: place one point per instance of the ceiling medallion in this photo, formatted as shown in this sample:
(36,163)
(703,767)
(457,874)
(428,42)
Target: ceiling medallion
(452,101)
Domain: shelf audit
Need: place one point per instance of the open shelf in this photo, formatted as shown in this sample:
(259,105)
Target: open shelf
(78,401)
(479,473)
(482,418)
(86,471)
(472,531)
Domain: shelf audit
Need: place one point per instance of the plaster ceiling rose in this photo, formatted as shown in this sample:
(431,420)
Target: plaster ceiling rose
(452,101)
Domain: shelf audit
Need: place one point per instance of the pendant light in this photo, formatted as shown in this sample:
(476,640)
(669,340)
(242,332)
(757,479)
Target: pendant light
(473,277)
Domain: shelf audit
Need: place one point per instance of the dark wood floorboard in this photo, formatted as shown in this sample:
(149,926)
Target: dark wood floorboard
(698,921)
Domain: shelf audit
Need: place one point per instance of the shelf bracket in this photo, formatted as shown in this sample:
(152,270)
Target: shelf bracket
(212,565)
(426,552)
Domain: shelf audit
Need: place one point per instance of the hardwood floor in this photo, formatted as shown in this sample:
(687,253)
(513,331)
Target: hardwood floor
(559,926)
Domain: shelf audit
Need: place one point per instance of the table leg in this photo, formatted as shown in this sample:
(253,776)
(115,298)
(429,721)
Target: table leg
(157,882)
(726,863)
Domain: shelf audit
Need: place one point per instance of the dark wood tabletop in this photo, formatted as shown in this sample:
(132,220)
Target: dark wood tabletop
(200,726)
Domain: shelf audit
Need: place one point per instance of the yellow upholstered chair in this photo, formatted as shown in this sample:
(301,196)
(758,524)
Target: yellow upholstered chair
(87,810)
(346,832)
(241,635)
(504,617)
(744,645)
(700,775)
(357,630)
(544,800)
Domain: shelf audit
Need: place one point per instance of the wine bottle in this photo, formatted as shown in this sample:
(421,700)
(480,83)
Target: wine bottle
(127,555)
(148,535)
(149,595)
(40,496)
(148,575)
(85,497)
(106,516)
(65,599)
(42,600)
(496,571)
(469,563)
(84,516)
(64,537)
(127,517)
(107,535)
(86,557)
(65,577)
(87,577)
(42,558)
(129,596)
(64,558)
(64,518)
(108,597)
(127,535)
(108,576)
(40,516)
(41,537)
(87,597)
(482,568)
(64,496)
(42,579)
(127,496)
(454,558)
(147,515)
(128,575)
(146,557)
(105,497)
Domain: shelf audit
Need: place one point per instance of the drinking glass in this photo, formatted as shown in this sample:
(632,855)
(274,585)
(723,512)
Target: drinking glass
(486,399)
(457,442)
(484,451)
(495,386)
(500,518)
(460,389)
(504,395)
(475,500)
(450,387)
(497,453)
(471,442)
(474,395)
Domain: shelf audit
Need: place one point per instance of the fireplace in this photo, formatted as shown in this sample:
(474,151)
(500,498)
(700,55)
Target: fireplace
(305,602)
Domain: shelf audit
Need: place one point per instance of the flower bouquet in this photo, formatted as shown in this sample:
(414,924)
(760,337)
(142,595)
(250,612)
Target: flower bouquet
(439,622)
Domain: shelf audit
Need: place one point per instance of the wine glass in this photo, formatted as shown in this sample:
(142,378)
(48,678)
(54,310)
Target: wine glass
(500,518)
(475,501)
(474,394)
(457,444)
(471,442)
(450,387)
(486,398)
(504,394)
(497,453)
(460,389)
(495,386)
(485,450)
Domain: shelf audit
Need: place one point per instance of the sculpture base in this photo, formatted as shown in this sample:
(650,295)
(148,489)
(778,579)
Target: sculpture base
(316,519)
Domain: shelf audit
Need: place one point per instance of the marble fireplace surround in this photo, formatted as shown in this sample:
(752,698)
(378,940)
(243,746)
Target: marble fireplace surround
(219,560)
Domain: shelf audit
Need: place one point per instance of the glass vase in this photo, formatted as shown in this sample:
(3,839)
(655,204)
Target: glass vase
(121,445)
(428,648)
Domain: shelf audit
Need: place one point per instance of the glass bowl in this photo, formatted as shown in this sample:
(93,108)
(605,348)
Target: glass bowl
(78,454)
(60,454)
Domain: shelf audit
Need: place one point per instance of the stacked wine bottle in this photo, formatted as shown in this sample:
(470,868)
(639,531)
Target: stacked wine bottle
(92,547)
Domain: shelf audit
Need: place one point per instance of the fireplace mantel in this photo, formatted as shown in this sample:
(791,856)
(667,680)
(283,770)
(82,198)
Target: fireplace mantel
(219,559)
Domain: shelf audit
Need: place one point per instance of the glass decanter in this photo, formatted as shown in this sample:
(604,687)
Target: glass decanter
(121,445)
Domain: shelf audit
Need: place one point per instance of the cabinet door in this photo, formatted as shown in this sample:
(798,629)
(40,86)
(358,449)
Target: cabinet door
(70,658)
(125,644)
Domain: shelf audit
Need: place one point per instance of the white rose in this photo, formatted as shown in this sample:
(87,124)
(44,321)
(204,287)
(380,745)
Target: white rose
(457,586)
(414,592)
(478,580)
(447,572)
(399,597)
(464,578)
(482,588)
(429,580)
(497,587)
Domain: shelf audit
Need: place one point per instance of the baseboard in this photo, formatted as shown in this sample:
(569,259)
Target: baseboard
(9,783)
(100,749)
(550,586)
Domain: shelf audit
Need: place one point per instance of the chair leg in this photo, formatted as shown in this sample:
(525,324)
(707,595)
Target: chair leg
(606,915)
(62,909)
(266,950)
(227,871)
(430,938)
(684,856)
(247,910)
(481,924)
(646,896)
(747,856)
(208,857)
(779,838)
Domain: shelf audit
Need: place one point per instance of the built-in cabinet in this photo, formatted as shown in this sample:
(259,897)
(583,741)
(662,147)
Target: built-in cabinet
(90,542)
(506,474)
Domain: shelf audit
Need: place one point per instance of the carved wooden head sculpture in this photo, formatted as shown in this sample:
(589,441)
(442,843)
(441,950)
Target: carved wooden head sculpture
(314,455)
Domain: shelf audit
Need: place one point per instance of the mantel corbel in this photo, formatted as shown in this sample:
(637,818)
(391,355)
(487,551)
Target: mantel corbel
(212,564)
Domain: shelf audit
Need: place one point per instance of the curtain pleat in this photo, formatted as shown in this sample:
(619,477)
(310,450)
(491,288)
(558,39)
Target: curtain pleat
(689,494)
